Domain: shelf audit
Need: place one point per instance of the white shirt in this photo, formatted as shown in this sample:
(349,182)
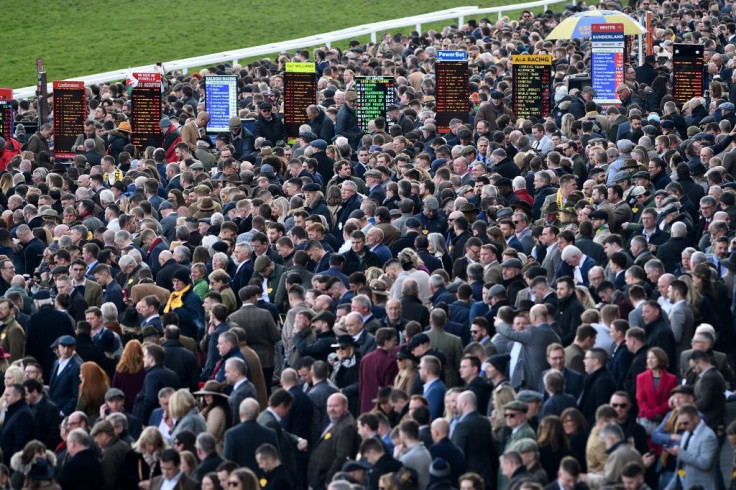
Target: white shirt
(515,353)
(171,484)
(62,365)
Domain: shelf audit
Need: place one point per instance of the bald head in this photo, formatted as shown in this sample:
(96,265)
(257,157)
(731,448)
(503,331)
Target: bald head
(467,402)
(440,429)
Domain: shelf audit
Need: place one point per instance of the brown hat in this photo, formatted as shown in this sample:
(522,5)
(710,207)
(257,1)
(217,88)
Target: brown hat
(261,263)
(206,204)
(211,387)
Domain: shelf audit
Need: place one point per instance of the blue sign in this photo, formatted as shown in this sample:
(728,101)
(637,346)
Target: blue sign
(221,101)
(452,56)
(607,43)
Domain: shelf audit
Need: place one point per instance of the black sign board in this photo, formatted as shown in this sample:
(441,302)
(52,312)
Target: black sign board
(300,91)
(532,75)
(687,60)
(375,94)
(146,110)
(70,112)
(451,76)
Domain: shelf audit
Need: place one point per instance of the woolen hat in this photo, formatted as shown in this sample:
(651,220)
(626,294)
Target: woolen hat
(183,276)
(417,340)
(165,122)
(500,362)
(439,468)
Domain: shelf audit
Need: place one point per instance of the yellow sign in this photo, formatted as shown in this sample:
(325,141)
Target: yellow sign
(300,67)
(531,59)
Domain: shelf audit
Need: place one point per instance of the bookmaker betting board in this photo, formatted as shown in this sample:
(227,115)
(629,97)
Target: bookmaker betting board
(451,77)
(531,78)
(221,101)
(687,60)
(6,113)
(375,94)
(146,110)
(300,91)
(70,112)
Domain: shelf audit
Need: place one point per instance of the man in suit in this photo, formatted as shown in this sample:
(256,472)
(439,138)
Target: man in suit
(472,434)
(242,388)
(82,468)
(45,413)
(709,390)
(148,308)
(476,382)
(568,476)
(558,400)
(157,377)
(294,422)
(556,360)
(598,385)
(658,332)
(172,476)
(533,341)
(338,442)
(242,440)
(697,453)
(444,448)
(19,424)
(319,393)
(434,389)
(704,341)
(206,447)
(279,405)
(381,462)
(579,262)
(682,320)
(64,385)
(260,329)
(180,359)
(91,290)
(44,327)
(450,345)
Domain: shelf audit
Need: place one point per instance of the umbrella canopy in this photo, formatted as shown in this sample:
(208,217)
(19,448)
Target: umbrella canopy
(578,25)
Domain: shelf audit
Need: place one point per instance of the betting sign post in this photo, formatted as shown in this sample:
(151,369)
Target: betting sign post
(687,60)
(300,91)
(608,61)
(146,110)
(375,94)
(532,75)
(451,82)
(70,112)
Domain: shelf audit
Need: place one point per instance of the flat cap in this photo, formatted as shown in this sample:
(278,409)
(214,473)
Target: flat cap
(512,263)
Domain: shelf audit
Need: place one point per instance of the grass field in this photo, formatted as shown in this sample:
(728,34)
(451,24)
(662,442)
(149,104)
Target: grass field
(78,38)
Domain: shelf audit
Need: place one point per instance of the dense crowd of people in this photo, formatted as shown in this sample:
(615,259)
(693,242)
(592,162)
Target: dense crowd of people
(513,304)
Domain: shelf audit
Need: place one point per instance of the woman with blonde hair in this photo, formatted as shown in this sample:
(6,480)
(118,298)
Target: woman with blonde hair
(407,370)
(183,408)
(6,182)
(243,479)
(129,373)
(280,208)
(566,126)
(94,385)
(584,297)
(503,395)
(149,447)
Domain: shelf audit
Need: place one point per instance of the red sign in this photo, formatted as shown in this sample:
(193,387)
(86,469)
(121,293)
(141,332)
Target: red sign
(6,113)
(70,112)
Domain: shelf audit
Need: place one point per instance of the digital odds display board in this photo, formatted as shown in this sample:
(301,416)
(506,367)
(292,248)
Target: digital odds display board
(451,82)
(300,91)
(220,101)
(6,113)
(532,75)
(687,61)
(70,112)
(375,94)
(146,110)
(608,61)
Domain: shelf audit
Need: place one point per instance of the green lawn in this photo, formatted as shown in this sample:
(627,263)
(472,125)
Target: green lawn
(78,38)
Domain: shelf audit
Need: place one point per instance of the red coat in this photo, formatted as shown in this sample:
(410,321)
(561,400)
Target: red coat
(524,195)
(377,369)
(12,148)
(653,402)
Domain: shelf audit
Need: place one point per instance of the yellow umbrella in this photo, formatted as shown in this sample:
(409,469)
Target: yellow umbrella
(578,25)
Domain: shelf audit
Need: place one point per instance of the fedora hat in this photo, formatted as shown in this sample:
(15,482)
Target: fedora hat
(551,208)
(211,388)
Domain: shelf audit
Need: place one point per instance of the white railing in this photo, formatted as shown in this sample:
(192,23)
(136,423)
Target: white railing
(459,13)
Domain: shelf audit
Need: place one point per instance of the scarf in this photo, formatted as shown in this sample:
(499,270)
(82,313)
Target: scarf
(175,300)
